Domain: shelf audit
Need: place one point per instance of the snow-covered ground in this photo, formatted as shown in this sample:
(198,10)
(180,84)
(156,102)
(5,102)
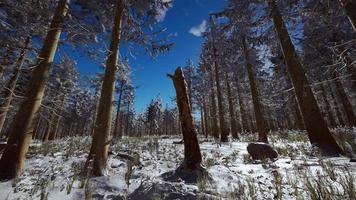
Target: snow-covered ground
(53,171)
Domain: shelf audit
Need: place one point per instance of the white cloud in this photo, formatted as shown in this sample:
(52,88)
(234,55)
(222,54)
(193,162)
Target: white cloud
(198,30)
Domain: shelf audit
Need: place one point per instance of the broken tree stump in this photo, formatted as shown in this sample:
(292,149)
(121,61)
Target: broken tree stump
(192,155)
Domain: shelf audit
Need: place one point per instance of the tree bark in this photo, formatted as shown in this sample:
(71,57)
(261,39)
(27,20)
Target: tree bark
(223,129)
(231,109)
(206,119)
(9,90)
(328,109)
(257,107)
(192,155)
(117,132)
(214,121)
(243,114)
(103,121)
(316,126)
(336,106)
(350,10)
(13,159)
(57,118)
(48,128)
(350,114)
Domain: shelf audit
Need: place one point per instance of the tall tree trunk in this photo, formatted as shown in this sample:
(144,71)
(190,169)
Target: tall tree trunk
(103,122)
(1,72)
(214,121)
(231,109)
(336,106)
(223,129)
(202,120)
(49,127)
(127,119)
(9,90)
(351,69)
(57,118)
(257,107)
(294,105)
(206,119)
(350,10)
(13,159)
(243,113)
(316,126)
(350,114)
(328,109)
(117,132)
(192,155)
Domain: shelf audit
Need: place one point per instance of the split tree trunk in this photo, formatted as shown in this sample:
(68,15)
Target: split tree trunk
(257,107)
(350,10)
(9,90)
(103,120)
(316,126)
(192,155)
(13,159)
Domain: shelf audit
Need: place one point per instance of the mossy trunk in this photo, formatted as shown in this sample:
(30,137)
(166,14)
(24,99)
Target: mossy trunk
(317,129)
(103,120)
(9,89)
(261,123)
(13,159)
(192,155)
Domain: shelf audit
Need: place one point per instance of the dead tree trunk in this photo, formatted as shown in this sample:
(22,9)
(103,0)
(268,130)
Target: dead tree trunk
(103,120)
(316,126)
(13,159)
(9,90)
(192,155)
(257,107)
(350,10)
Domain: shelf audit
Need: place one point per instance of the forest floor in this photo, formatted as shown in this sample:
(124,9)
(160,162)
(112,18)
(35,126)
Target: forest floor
(53,171)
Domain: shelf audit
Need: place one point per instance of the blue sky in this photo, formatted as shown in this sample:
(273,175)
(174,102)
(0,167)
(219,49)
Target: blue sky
(150,74)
